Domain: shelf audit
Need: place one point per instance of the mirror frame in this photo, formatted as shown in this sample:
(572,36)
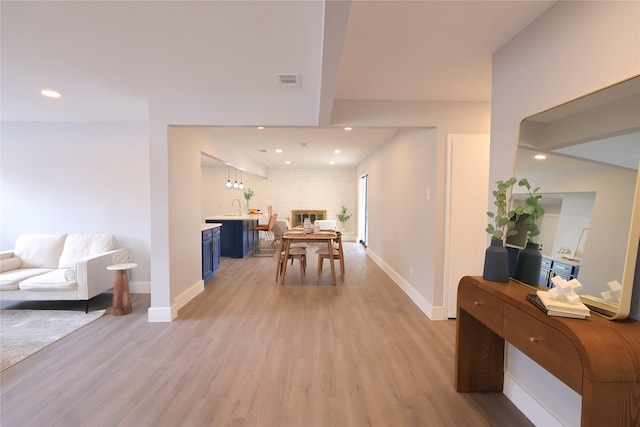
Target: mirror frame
(597,305)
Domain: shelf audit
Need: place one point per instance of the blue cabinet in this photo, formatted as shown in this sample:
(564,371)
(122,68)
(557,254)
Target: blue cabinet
(215,250)
(236,238)
(552,267)
(210,252)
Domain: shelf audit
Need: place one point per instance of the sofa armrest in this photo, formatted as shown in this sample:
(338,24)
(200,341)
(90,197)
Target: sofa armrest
(92,275)
(7,254)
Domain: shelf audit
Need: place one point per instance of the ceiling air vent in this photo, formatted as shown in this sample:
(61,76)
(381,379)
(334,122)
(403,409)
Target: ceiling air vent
(288,80)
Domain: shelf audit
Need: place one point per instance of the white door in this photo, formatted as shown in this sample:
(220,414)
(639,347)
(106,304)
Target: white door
(547,237)
(466,211)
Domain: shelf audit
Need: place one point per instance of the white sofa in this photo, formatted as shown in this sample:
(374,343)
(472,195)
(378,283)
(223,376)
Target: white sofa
(49,267)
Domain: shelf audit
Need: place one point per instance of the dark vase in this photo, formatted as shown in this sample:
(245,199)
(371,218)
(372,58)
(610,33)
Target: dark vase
(528,264)
(496,262)
(513,256)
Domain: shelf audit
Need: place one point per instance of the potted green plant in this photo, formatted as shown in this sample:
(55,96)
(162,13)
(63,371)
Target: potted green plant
(501,226)
(343,216)
(503,219)
(531,208)
(529,260)
(248,194)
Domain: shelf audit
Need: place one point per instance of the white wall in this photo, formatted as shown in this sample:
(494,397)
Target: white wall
(573,49)
(78,178)
(402,222)
(575,216)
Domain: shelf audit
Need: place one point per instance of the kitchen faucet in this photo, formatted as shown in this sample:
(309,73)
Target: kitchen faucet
(239,206)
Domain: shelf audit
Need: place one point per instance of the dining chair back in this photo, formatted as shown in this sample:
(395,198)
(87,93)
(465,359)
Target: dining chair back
(338,255)
(298,253)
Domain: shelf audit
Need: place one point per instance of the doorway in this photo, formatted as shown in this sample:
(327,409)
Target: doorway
(363,218)
(467,187)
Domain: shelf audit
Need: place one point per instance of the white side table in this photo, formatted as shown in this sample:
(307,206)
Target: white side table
(121,304)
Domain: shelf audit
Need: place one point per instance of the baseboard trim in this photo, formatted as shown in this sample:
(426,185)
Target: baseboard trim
(527,404)
(437,313)
(167,314)
(182,299)
(159,314)
(140,287)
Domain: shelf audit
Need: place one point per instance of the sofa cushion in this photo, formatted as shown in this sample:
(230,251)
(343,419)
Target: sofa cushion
(39,250)
(78,246)
(9,264)
(10,280)
(56,280)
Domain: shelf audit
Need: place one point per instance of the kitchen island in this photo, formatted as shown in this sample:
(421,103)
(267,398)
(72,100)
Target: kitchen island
(236,238)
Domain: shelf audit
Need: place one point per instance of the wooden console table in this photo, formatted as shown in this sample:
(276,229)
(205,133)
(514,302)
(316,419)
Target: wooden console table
(596,357)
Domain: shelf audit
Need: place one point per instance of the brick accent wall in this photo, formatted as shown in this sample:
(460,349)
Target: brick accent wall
(285,189)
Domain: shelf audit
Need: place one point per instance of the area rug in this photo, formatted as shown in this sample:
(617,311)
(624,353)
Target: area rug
(25,332)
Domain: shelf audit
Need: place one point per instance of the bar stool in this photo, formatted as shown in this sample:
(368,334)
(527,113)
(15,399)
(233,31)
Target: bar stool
(269,238)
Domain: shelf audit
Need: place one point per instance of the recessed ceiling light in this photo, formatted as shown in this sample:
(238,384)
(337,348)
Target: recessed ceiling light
(278,150)
(287,162)
(50,93)
(260,127)
(332,163)
(348,128)
(539,157)
(337,151)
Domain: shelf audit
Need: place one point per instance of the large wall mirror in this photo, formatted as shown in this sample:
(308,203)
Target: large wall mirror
(591,189)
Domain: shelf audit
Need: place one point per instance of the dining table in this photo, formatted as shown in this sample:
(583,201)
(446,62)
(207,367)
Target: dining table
(299,236)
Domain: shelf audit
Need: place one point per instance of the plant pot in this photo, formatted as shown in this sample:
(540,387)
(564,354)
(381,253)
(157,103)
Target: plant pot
(513,257)
(528,264)
(496,262)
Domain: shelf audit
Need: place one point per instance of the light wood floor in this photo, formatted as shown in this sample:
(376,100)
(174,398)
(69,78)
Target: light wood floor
(249,352)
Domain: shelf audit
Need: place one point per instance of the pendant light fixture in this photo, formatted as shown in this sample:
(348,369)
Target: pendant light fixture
(241,186)
(228,184)
(235,183)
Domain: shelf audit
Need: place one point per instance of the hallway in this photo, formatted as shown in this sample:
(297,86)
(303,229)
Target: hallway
(249,352)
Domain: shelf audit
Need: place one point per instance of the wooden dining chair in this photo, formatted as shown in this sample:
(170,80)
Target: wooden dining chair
(294,253)
(338,255)
(269,236)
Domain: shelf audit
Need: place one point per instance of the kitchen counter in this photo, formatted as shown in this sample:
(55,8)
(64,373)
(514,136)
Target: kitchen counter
(208,225)
(231,217)
(563,259)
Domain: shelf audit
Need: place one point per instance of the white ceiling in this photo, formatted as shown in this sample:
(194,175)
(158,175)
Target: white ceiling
(215,63)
